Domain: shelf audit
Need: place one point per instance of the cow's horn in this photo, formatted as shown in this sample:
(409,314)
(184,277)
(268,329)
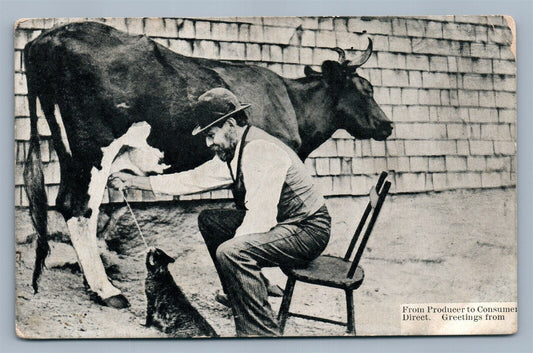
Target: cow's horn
(310,72)
(365,56)
(342,54)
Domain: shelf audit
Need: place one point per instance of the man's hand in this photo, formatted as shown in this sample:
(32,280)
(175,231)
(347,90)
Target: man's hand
(119,180)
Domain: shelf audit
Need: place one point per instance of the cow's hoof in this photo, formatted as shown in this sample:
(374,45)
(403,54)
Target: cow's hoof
(222,298)
(118,301)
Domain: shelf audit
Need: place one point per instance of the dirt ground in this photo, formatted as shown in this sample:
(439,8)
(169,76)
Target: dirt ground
(448,247)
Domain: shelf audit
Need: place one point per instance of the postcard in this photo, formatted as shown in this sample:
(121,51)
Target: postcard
(265,176)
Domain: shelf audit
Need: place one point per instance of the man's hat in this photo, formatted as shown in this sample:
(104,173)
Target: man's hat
(214,106)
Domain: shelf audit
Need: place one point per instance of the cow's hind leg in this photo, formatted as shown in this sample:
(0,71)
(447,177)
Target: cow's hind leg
(81,213)
(83,228)
(83,236)
(83,233)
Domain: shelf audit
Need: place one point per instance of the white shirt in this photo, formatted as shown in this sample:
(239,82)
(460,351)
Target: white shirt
(264,167)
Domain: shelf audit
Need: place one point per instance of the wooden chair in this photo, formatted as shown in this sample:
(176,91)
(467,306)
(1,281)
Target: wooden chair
(337,272)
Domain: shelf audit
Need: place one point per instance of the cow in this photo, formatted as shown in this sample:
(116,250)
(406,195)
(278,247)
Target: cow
(103,91)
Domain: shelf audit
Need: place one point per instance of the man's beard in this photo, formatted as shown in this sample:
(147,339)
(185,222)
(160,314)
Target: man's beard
(227,154)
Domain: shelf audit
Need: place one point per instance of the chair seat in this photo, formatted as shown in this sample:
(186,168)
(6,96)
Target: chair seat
(328,271)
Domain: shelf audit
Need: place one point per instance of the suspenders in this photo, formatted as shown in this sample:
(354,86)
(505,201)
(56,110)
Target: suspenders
(238,189)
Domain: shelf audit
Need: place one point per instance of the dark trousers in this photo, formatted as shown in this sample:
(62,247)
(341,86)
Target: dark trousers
(238,261)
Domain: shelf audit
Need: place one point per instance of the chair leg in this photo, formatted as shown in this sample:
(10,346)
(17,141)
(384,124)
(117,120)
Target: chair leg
(285,303)
(350,312)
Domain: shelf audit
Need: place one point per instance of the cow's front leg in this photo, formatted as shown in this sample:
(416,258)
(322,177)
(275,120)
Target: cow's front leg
(83,236)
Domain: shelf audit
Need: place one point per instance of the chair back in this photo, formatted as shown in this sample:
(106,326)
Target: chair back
(377,197)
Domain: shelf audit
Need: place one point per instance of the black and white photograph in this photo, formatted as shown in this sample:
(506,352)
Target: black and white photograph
(265,177)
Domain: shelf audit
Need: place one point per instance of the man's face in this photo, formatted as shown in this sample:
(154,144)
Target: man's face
(222,141)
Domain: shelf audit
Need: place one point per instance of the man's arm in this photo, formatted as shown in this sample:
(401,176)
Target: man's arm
(264,167)
(121,180)
(211,175)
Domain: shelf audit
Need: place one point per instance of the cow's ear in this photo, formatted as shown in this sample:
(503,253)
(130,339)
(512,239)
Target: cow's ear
(333,74)
(309,72)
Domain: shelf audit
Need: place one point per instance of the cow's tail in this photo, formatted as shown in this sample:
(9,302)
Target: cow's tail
(35,189)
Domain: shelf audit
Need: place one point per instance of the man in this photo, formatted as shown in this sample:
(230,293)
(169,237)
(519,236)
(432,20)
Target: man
(280,220)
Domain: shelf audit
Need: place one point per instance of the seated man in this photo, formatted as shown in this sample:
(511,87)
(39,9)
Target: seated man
(281,218)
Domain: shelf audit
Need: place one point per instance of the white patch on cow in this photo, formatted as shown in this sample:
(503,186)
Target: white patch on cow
(123,105)
(62,130)
(139,158)
(83,236)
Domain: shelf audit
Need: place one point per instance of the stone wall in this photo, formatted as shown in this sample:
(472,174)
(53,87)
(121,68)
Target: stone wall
(447,82)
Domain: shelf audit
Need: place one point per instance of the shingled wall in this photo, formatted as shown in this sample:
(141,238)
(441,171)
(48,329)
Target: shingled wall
(447,82)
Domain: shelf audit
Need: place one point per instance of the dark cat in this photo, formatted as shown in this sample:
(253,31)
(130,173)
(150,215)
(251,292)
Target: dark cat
(168,309)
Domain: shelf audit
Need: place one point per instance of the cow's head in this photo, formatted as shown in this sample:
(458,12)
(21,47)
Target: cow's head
(351,97)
